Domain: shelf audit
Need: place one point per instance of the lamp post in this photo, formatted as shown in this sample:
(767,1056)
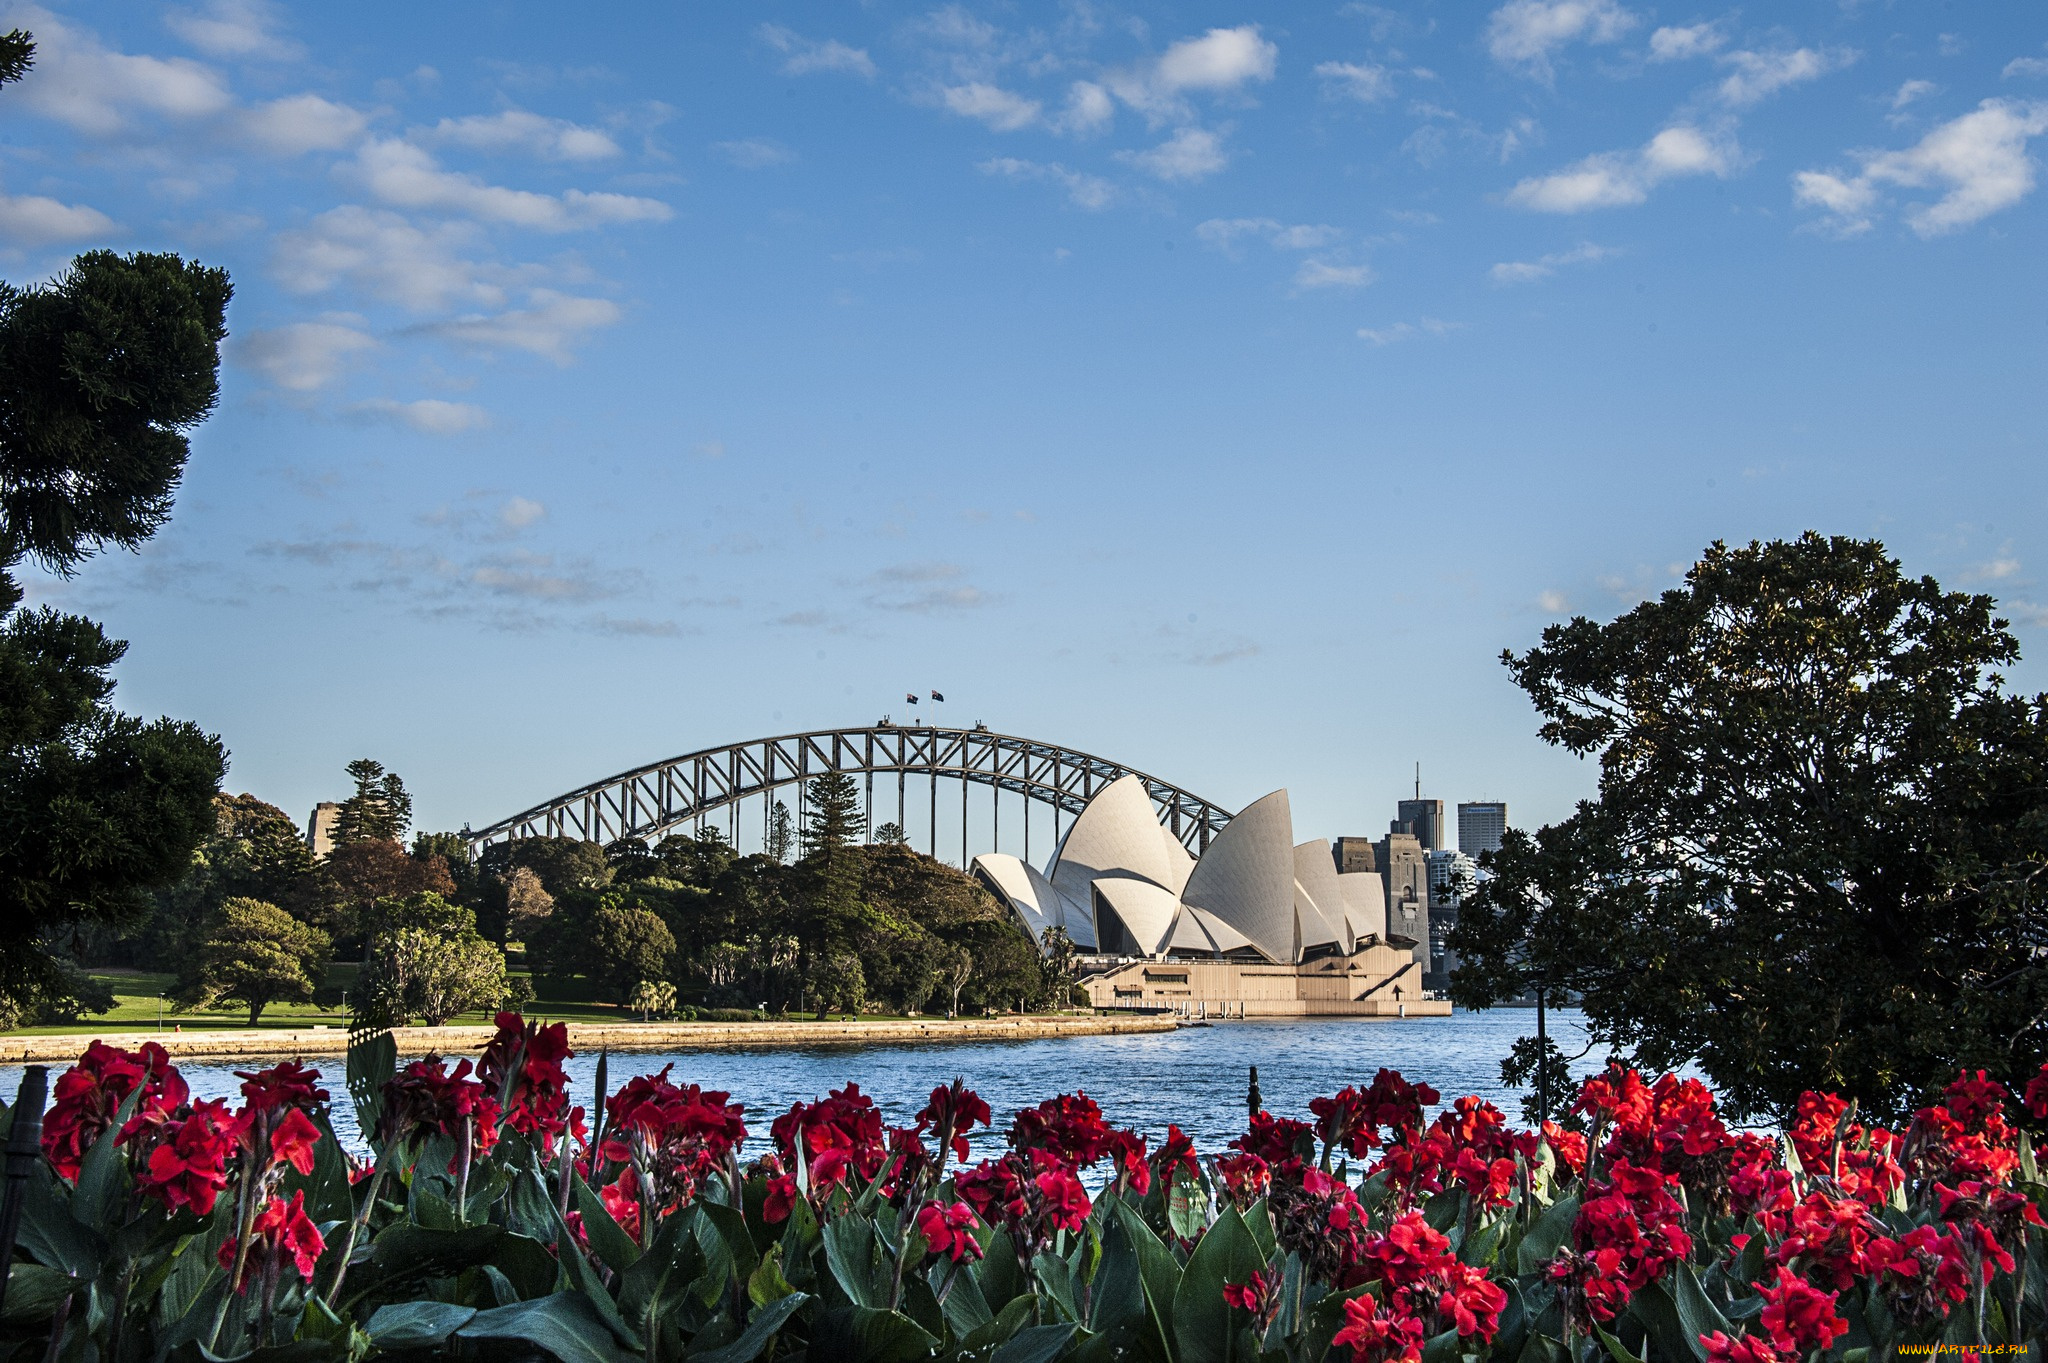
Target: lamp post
(159,1010)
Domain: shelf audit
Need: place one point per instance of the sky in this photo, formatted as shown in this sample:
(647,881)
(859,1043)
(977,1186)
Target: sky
(1213,387)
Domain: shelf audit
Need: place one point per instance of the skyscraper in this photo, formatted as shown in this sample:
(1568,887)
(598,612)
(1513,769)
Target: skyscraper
(1480,826)
(1422,820)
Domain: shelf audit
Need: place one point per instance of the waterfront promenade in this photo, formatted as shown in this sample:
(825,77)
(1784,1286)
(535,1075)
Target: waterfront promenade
(589,1036)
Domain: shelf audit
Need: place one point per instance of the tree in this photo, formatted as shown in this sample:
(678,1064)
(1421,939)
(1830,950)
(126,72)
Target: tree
(956,968)
(564,865)
(254,852)
(1820,824)
(891,835)
(628,946)
(452,850)
(430,965)
(829,877)
(254,954)
(631,859)
(527,904)
(781,833)
(836,983)
(379,811)
(651,997)
(357,875)
(17,54)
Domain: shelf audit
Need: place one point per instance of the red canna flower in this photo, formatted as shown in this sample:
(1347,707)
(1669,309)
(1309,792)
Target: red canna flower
(1798,1317)
(1258,1295)
(279,1235)
(1069,1127)
(1127,1152)
(1175,1153)
(188,1166)
(621,1198)
(955,1110)
(292,1141)
(288,1084)
(1745,1349)
(949,1230)
(1568,1146)
(88,1096)
(536,1097)
(1065,1200)
(1377,1336)
(1247,1178)
(427,1099)
(1277,1140)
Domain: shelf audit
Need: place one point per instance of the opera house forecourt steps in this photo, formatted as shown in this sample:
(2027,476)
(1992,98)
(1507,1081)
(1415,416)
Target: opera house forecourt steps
(1258,926)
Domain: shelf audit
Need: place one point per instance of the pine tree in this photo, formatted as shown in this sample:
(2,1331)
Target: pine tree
(834,819)
(781,833)
(379,811)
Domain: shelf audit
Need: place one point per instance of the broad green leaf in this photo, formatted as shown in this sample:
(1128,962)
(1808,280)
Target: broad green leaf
(998,1328)
(1441,1348)
(563,1324)
(1484,1245)
(767,1283)
(1187,1206)
(372,1060)
(1037,1344)
(760,1329)
(1117,1296)
(1056,1277)
(671,1265)
(731,1224)
(1258,1219)
(855,1258)
(1002,1282)
(965,1309)
(1697,1314)
(607,1238)
(870,1335)
(33,1291)
(1615,1349)
(1548,1235)
(1206,1329)
(51,1235)
(1156,1265)
(417,1324)
(1325,1319)
(102,1182)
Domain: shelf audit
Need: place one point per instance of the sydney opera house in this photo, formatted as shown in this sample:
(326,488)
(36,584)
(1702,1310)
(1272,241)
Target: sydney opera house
(1259,926)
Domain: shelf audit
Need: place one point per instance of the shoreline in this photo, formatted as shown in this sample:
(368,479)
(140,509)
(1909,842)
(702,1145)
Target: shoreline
(586,1036)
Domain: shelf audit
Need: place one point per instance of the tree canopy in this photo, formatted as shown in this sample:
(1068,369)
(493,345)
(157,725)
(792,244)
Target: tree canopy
(1820,824)
(254,954)
(379,811)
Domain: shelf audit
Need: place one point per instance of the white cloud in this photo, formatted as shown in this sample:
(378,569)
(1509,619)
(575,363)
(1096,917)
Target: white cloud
(1327,274)
(1759,75)
(1529,271)
(803,57)
(1402,331)
(1221,61)
(303,357)
(235,29)
(520,512)
(548,327)
(1089,110)
(400,173)
(100,92)
(1526,33)
(1614,179)
(429,416)
(382,253)
(33,220)
(1190,154)
(1083,190)
(1224,233)
(993,105)
(517,130)
(1912,90)
(302,123)
(1552,601)
(1979,159)
(1681,44)
(755,153)
(2026,66)
(1364,82)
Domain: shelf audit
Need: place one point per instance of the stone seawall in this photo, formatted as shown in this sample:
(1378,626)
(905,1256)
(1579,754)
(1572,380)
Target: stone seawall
(589,1036)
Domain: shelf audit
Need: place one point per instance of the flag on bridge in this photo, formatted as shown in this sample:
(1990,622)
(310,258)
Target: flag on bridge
(910,696)
(937,696)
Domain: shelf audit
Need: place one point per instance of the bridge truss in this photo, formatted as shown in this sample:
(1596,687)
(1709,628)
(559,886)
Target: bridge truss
(689,792)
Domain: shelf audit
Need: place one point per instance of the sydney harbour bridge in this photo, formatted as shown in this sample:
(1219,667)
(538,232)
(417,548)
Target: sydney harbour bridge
(735,788)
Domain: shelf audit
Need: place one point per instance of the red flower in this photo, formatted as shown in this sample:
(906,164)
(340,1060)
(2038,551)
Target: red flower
(292,1141)
(1374,1336)
(847,1121)
(1828,1239)
(1127,1152)
(2037,1095)
(1568,1146)
(1408,1253)
(993,1188)
(1069,1127)
(1470,1302)
(949,1230)
(1924,1273)
(1394,1103)
(89,1095)
(1259,1295)
(781,1199)
(1247,1178)
(1175,1153)
(1746,1349)
(1065,1200)
(288,1084)
(537,1099)
(955,1110)
(1276,1140)
(425,1099)
(188,1167)
(621,1198)
(1800,1318)
(279,1235)
(684,1133)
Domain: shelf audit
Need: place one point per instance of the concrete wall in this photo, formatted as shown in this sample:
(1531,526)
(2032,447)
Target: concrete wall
(1360,985)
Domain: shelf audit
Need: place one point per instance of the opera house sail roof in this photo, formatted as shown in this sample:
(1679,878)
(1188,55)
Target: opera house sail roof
(1121,885)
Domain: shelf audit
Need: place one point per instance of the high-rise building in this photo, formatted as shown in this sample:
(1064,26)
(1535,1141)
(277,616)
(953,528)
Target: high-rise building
(320,828)
(1422,820)
(1447,871)
(1353,855)
(1480,826)
(1404,869)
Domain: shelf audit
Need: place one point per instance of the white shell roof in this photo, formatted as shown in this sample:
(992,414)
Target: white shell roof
(1246,878)
(1035,900)
(1117,834)
(1146,911)
(1365,903)
(1321,899)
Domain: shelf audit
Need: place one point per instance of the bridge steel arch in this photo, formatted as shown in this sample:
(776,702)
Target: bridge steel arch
(685,791)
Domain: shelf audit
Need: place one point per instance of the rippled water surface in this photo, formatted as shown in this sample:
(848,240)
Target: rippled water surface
(1194,1077)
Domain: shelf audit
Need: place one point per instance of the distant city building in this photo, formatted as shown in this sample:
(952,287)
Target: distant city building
(1354,856)
(1404,870)
(1447,870)
(1481,823)
(1422,820)
(320,828)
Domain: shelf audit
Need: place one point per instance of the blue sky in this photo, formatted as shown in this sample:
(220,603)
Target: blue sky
(1214,387)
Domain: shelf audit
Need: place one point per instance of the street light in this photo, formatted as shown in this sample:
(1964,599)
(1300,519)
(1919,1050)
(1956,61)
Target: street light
(159,1011)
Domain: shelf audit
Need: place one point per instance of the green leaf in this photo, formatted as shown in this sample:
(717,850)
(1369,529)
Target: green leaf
(563,1324)
(870,1335)
(33,1291)
(1002,1282)
(671,1265)
(102,1183)
(731,1225)
(1160,1271)
(1206,1329)
(1483,1247)
(1258,1219)
(1325,1319)
(417,1324)
(1614,1347)
(607,1237)
(855,1257)
(1056,1277)
(1187,1206)
(999,1328)
(1117,1296)
(372,1060)
(51,1235)
(1038,1344)
(1697,1314)
(1442,1348)
(1548,1235)
(759,1331)
(767,1284)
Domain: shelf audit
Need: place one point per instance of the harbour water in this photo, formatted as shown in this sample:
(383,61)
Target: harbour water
(1194,1077)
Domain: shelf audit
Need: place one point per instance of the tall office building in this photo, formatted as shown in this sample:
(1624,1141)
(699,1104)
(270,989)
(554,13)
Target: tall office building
(1404,869)
(1447,871)
(1422,820)
(1480,826)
